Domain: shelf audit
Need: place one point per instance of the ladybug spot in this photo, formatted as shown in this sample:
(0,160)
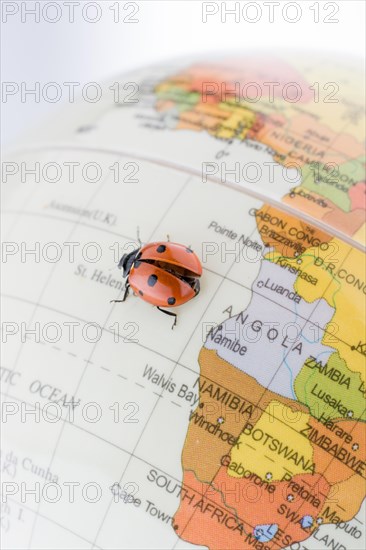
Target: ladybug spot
(189,250)
(152,280)
(171,301)
(141,293)
(161,248)
(137,264)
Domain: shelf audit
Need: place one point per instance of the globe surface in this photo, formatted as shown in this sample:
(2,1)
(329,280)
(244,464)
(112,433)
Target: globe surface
(244,426)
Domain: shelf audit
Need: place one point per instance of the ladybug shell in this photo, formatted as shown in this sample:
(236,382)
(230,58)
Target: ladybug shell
(174,254)
(157,286)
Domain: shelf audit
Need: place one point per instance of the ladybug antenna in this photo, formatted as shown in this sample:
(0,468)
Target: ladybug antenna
(168,238)
(138,236)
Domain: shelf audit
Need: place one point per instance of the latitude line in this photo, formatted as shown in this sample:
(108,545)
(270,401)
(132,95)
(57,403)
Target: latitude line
(231,391)
(254,291)
(180,190)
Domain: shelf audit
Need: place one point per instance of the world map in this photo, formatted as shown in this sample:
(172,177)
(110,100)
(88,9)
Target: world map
(250,414)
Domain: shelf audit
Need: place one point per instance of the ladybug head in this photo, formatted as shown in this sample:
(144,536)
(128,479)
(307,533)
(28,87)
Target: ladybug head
(127,260)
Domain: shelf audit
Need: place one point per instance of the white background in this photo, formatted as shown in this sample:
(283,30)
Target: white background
(83,51)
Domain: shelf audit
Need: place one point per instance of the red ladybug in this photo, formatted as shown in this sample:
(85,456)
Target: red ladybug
(163,274)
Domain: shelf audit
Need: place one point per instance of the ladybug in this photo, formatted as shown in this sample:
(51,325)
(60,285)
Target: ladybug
(163,274)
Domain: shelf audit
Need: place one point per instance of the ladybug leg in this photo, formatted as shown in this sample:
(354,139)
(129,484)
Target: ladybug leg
(138,236)
(196,287)
(127,289)
(169,313)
